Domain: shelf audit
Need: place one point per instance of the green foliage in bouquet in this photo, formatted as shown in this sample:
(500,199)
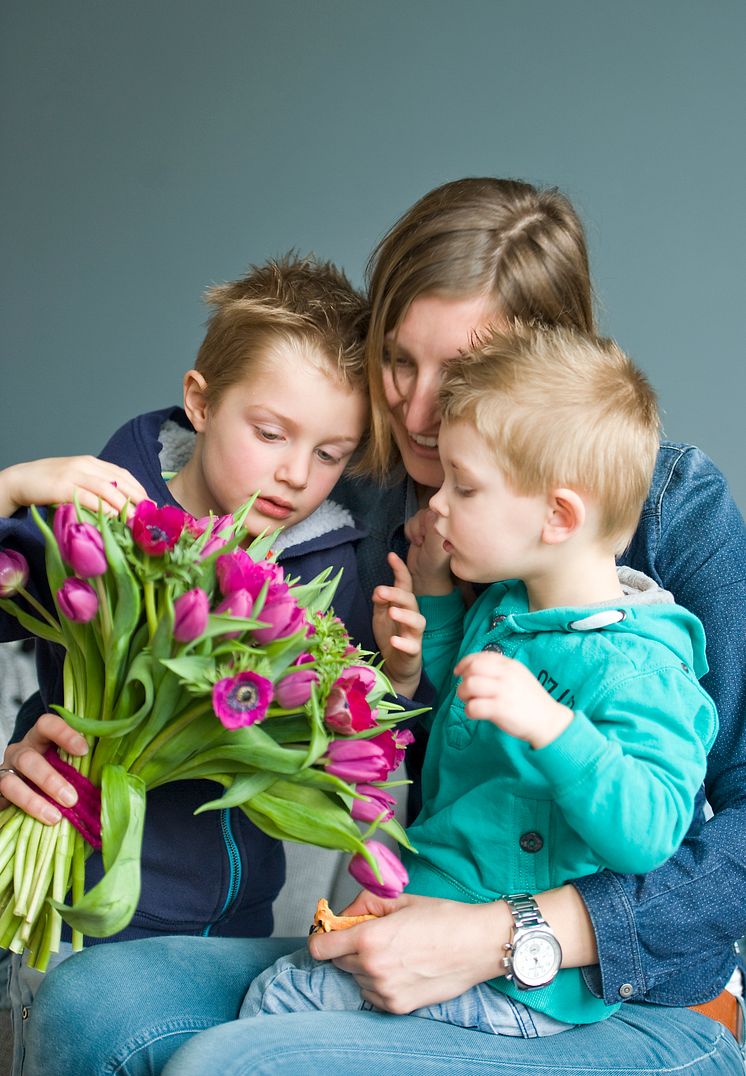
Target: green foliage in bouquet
(189,656)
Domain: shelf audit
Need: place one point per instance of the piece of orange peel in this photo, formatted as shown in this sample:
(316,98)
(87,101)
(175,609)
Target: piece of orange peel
(325,920)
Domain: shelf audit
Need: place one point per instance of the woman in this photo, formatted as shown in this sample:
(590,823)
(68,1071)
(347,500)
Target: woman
(471,254)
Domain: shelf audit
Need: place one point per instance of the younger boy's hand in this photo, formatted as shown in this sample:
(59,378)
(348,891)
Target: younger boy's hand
(398,626)
(60,479)
(501,690)
(427,560)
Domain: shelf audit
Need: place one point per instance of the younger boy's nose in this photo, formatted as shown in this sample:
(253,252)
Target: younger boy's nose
(293,472)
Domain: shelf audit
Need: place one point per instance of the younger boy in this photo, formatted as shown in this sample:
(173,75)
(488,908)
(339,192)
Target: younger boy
(573,733)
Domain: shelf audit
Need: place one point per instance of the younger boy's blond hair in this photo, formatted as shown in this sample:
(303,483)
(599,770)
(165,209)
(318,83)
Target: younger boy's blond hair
(292,302)
(561,409)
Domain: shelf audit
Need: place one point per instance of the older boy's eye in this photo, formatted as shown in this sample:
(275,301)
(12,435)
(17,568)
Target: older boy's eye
(268,435)
(326,457)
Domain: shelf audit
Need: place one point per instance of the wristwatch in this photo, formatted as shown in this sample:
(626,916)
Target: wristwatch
(534,952)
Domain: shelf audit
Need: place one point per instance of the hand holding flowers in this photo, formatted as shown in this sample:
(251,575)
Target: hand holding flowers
(189,657)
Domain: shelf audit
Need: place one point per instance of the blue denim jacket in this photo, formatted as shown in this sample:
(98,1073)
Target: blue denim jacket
(665,937)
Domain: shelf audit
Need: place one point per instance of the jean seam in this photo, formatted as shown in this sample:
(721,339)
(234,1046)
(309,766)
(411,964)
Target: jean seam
(147,1037)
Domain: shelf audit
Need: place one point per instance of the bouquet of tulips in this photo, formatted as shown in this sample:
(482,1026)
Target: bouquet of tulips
(190,656)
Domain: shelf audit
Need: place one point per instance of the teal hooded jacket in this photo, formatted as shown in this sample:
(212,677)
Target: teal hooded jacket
(616,789)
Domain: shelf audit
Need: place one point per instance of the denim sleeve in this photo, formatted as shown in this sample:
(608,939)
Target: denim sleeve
(667,936)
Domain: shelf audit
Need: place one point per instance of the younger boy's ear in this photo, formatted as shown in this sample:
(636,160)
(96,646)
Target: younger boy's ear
(195,399)
(565,515)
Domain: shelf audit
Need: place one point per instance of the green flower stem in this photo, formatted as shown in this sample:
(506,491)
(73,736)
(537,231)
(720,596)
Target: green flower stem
(104,608)
(39,608)
(150,609)
(197,709)
(28,840)
(8,924)
(78,882)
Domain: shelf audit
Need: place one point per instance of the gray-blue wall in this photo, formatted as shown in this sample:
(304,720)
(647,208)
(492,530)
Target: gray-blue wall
(154,146)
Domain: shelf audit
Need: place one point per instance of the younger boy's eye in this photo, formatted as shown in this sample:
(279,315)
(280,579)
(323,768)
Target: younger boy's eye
(463,491)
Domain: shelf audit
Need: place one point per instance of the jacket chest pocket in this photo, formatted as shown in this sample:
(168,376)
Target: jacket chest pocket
(460,729)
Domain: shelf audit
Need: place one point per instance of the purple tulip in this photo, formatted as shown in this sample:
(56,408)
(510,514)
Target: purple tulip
(191,611)
(347,709)
(13,572)
(295,689)
(157,529)
(64,517)
(282,616)
(357,760)
(84,550)
(242,700)
(237,571)
(378,805)
(239,604)
(393,875)
(77,601)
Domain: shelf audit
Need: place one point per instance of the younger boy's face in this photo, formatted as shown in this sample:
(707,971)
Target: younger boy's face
(489,531)
(287,429)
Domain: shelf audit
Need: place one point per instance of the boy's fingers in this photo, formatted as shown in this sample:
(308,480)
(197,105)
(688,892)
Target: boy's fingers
(410,618)
(405,644)
(402,578)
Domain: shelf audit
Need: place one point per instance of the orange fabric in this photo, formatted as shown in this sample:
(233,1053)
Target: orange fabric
(726,1010)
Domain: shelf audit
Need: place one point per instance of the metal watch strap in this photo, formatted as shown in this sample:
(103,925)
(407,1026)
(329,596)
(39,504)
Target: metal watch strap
(525,911)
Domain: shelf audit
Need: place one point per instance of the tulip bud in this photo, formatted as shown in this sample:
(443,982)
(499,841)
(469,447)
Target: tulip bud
(295,689)
(191,611)
(356,760)
(84,550)
(281,617)
(64,517)
(378,805)
(393,875)
(13,572)
(77,601)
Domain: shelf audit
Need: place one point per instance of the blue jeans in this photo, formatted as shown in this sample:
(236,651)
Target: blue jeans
(20,983)
(129,1007)
(298,983)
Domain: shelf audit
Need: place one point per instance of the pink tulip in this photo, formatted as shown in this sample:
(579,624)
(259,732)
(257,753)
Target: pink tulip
(199,526)
(13,572)
(242,700)
(77,601)
(84,550)
(361,676)
(212,545)
(393,875)
(281,616)
(64,517)
(378,805)
(191,611)
(393,744)
(238,604)
(237,571)
(347,709)
(157,529)
(357,760)
(295,689)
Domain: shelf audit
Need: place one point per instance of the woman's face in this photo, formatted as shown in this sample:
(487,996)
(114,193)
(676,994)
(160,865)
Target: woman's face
(434,330)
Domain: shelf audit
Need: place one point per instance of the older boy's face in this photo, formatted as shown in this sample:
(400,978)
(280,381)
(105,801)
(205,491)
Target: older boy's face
(287,429)
(489,531)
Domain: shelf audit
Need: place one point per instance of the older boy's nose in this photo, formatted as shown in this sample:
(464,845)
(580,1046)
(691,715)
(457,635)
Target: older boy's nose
(293,472)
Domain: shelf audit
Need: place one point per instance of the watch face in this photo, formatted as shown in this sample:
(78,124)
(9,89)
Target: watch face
(536,959)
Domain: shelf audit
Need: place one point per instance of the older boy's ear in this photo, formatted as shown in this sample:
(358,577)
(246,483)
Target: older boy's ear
(195,399)
(565,515)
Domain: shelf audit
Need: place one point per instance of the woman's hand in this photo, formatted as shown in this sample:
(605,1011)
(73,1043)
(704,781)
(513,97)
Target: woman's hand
(26,759)
(59,479)
(421,951)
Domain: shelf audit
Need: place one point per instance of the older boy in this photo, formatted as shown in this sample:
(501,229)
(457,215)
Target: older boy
(574,736)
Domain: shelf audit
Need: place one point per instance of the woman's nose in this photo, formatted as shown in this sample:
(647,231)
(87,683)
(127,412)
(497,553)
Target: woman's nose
(421,405)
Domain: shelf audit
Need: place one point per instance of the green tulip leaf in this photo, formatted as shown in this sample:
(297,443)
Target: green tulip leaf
(110,905)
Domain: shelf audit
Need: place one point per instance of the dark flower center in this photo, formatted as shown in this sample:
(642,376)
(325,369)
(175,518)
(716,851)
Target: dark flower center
(244,697)
(157,534)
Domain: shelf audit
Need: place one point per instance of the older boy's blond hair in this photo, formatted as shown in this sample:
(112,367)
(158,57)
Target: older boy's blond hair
(562,409)
(292,302)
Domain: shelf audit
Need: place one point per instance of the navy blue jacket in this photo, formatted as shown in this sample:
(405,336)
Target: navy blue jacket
(215,873)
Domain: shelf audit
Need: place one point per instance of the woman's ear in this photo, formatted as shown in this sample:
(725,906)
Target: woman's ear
(195,399)
(565,515)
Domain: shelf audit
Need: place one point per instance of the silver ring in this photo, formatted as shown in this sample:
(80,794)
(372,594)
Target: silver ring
(7,769)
